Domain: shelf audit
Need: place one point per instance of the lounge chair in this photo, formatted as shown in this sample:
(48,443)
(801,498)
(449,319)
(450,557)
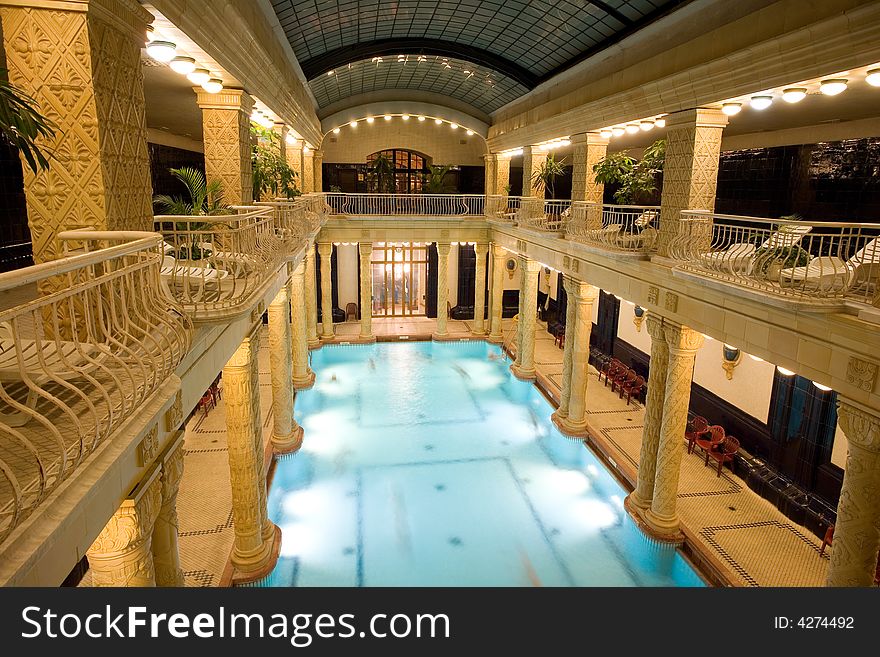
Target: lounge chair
(738,257)
(831,273)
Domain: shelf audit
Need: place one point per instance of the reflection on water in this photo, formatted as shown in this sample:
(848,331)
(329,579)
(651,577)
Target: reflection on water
(428,464)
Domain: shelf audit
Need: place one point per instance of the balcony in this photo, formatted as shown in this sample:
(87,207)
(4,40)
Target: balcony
(822,265)
(296,219)
(622,229)
(86,342)
(406,205)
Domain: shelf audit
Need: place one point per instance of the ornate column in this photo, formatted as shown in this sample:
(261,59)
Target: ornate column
(570,339)
(683,343)
(303,376)
(325,250)
(524,367)
(166,555)
(502,175)
(317,176)
(81,62)
(287,435)
(295,160)
(496,307)
(252,553)
(311,293)
(480,289)
(308,170)
(657,369)
(857,530)
(587,149)
(583,296)
(519,315)
(280,129)
(122,555)
(226,127)
(365,249)
(442,289)
(533,158)
(690,171)
(490,161)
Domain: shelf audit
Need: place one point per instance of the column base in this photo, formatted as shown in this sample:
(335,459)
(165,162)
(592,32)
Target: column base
(315,344)
(288,444)
(523,374)
(442,337)
(478,335)
(495,339)
(366,339)
(304,383)
(327,337)
(570,429)
(663,529)
(257,570)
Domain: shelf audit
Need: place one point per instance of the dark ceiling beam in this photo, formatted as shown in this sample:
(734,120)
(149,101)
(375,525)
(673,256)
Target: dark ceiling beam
(317,66)
(611,11)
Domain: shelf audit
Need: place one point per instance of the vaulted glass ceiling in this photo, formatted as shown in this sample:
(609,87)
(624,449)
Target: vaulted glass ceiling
(520,42)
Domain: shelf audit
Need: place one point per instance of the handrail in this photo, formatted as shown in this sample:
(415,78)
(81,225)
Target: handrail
(630,229)
(408,205)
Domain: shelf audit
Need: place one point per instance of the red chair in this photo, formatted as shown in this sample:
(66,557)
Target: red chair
(626,378)
(611,367)
(828,539)
(715,437)
(695,429)
(724,453)
(633,389)
(206,403)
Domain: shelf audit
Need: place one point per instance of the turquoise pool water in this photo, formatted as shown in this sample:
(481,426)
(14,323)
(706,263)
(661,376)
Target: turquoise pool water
(429,464)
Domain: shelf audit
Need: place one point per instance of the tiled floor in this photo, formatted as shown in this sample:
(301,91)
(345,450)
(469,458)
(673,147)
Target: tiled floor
(741,533)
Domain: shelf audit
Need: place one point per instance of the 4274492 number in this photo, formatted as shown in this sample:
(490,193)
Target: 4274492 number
(814,622)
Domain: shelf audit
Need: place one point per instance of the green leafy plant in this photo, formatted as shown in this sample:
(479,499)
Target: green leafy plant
(545,176)
(205,198)
(435,179)
(637,179)
(336,189)
(380,174)
(782,257)
(507,189)
(272,175)
(22,125)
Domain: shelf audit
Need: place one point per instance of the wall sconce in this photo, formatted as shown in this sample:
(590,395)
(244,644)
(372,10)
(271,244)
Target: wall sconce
(511,265)
(730,357)
(639,317)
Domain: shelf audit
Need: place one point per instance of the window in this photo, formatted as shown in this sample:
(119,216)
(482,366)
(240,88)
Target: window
(408,172)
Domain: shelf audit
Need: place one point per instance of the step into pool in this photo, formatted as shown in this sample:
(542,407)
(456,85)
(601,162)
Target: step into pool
(429,464)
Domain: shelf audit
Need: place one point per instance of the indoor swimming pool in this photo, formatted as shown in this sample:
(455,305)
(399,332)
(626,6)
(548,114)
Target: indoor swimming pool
(429,464)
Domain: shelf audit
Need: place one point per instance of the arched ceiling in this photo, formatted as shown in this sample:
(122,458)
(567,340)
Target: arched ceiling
(516,43)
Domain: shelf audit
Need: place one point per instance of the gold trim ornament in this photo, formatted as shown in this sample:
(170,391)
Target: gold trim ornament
(730,358)
(638,317)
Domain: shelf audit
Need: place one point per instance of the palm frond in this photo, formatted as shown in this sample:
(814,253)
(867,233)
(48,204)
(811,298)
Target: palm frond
(22,125)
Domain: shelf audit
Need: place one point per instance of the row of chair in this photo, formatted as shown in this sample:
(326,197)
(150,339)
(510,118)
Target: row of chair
(712,440)
(623,379)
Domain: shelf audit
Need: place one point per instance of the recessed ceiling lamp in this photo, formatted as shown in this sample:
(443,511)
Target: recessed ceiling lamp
(330,72)
(617,131)
(151,33)
(454,126)
(387,117)
(783,371)
(470,132)
(421,118)
(438,121)
(873,77)
(161,51)
(794,94)
(183,65)
(353,124)
(606,133)
(731,108)
(405,117)
(761,102)
(290,139)
(832,86)
(213,86)
(336,131)
(306,149)
(821,387)
(199,76)
(756,358)
(646,125)
(632,128)
(660,123)
(370,119)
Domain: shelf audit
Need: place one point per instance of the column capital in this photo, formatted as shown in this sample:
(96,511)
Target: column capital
(699,116)
(590,139)
(296,144)
(172,467)
(132,523)
(862,428)
(325,248)
(497,250)
(654,322)
(529,265)
(248,348)
(682,338)
(443,248)
(365,248)
(490,157)
(582,292)
(228,99)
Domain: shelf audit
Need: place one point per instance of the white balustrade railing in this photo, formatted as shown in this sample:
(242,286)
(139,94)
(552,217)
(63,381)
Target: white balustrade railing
(89,339)
(544,215)
(625,228)
(406,205)
(214,264)
(297,218)
(810,261)
(503,208)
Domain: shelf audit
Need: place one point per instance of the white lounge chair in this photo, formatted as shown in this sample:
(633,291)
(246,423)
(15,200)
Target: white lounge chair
(738,257)
(831,273)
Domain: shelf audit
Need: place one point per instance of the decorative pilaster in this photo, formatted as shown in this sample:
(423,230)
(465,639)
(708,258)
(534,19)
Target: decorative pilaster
(295,160)
(303,376)
(122,554)
(442,289)
(533,158)
(480,289)
(311,293)
(166,555)
(287,435)
(502,175)
(317,176)
(657,370)
(519,316)
(495,311)
(81,62)
(570,338)
(252,553)
(325,250)
(583,296)
(365,250)
(227,137)
(490,161)
(690,171)
(308,170)
(281,130)
(524,368)
(587,149)
(683,342)
(857,530)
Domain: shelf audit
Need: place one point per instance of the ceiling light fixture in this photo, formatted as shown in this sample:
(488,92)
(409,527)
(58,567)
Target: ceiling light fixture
(833,86)
(821,387)
(387,117)
(660,123)
(151,33)
(199,76)
(731,108)
(617,131)
(760,102)
(421,118)
(794,94)
(470,132)
(606,133)
(632,128)
(405,117)
(783,371)
(336,131)
(438,121)
(353,124)
(183,65)
(646,125)
(213,86)
(370,119)
(454,126)
(330,72)
(161,51)
(873,77)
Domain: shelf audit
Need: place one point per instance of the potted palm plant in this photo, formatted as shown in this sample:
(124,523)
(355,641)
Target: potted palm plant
(435,179)
(22,126)
(545,175)
(637,179)
(272,176)
(380,174)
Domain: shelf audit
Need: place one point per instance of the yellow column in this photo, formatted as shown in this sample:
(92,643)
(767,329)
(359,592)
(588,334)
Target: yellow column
(295,160)
(122,554)
(81,62)
(366,253)
(533,158)
(442,289)
(480,290)
(690,170)
(583,296)
(857,530)
(497,308)
(253,551)
(303,376)
(657,370)
(311,293)
(325,250)
(683,342)
(587,149)
(317,176)
(570,338)
(287,435)
(502,175)
(491,176)
(166,555)
(226,131)
(281,130)
(524,367)
(308,171)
